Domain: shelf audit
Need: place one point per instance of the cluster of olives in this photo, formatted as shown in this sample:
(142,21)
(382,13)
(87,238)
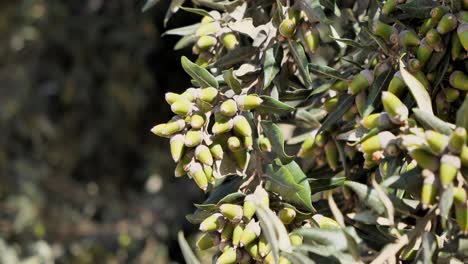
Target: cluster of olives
(237,234)
(196,144)
(211,36)
(296,26)
(393,132)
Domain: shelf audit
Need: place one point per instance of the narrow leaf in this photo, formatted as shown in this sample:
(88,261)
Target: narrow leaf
(430,121)
(326,71)
(232,81)
(367,195)
(273,133)
(462,114)
(271,65)
(291,174)
(345,103)
(301,60)
(418,91)
(271,105)
(201,75)
(187,252)
(380,83)
(197,11)
(149,4)
(183,31)
(418,8)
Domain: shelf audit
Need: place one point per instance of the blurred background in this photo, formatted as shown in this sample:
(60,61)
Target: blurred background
(82,179)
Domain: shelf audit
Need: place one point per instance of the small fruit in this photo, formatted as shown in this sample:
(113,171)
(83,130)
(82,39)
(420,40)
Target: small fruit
(287,28)
(447,23)
(397,111)
(228,108)
(248,102)
(360,82)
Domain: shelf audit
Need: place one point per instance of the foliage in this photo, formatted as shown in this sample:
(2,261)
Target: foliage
(376,94)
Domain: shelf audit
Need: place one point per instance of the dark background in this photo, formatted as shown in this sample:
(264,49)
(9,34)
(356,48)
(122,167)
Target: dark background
(82,179)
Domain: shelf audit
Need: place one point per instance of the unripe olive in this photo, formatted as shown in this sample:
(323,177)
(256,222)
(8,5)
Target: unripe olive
(408,38)
(206,42)
(424,52)
(229,41)
(429,189)
(433,39)
(360,82)
(397,111)
(287,28)
(383,30)
(459,80)
(447,23)
(397,85)
(437,12)
(389,7)
(462,32)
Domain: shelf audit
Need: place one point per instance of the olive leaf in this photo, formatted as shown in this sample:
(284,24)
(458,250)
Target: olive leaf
(274,231)
(232,81)
(149,4)
(380,42)
(430,121)
(418,91)
(367,196)
(301,60)
(345,102)
(381,82)
(326,71)
(418,8)
(182,31)
(428,248)
(290,175)
(173,8)
(271,105)
(197,11)
(274,134)
(185,42)
(323,184)
(313,10)
(462,114)
(271,64)
(187,252)
(331,238)
(445,204)
(199,74)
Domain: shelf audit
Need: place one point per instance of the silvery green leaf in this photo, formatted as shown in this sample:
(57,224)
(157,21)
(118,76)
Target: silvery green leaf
(418,8)
(430,121)
(197,11)
(201,75)
(271,105)
(232,81)
(273,230)
(187,252)
(183,31)
(326,71)
(345,103)
(149,4)
(301,60)
(418,90)
(380,83)
(313,10)
(274,134)
(290,175)
(185,41)
(462,114)
(173,8)
(271,64)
